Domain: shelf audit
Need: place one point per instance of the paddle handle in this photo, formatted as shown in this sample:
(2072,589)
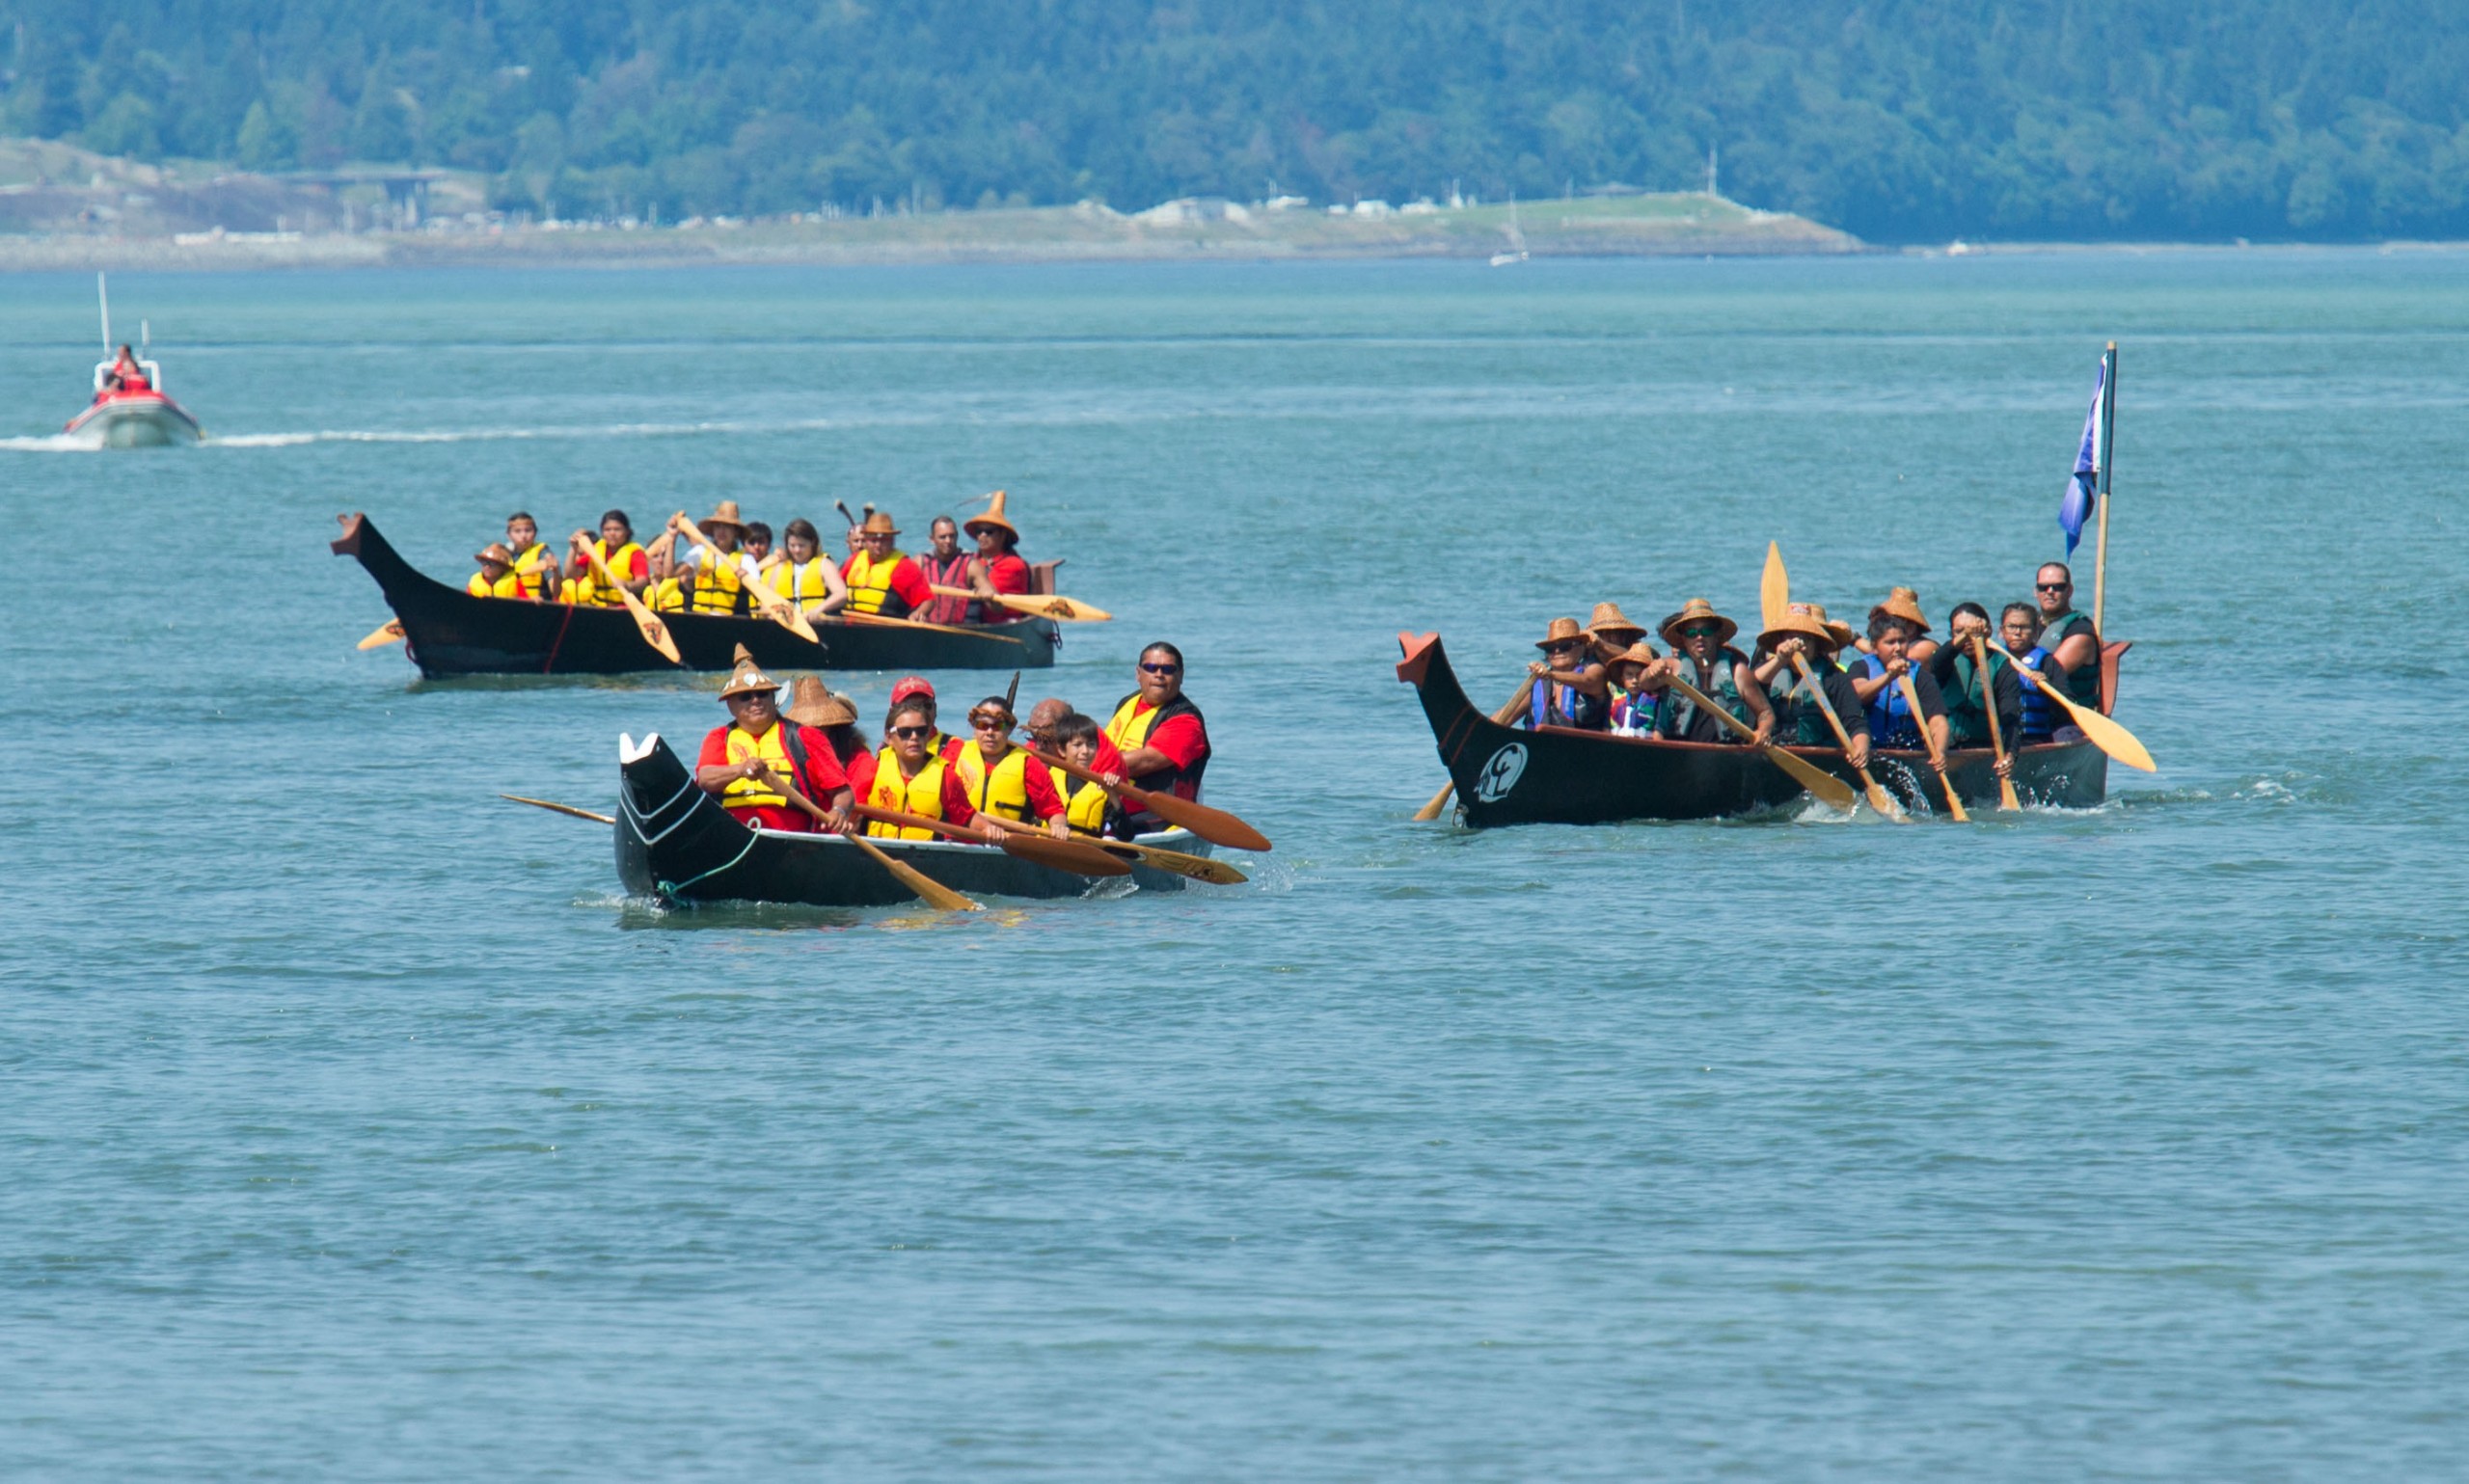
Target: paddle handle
(1507,714)
(1879,798)
(904,820)
(557,808)
(2006,798)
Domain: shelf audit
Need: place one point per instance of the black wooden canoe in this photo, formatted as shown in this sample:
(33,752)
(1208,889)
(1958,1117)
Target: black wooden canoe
(675,843)
(448,632)
(1555,775)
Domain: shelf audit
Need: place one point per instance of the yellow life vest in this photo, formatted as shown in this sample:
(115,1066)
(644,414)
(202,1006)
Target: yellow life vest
(1129,728)
(1084,804)
(921,795)
(1001,791)
(587,588)
(509,585)
(870,581)
(791,581)
(666,596)
(720,587)
(772,747)
(544,568)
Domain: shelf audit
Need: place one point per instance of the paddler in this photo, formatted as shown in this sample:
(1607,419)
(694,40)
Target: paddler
(616,549)
(805,576)
(997,567)
(1005,787)
(919,689)
(2019,628)
(2073,645)
(534,562)
(717,570)
(1957,680)
(1611,632)
(496,577)
(1078,740)
(1700,641)
(881,577)
(835,715)
(1904,603)
(1049,714)
(909,776)
(1633,704)
(1573,692)
(1877,675)
(746,760)
(945,565)
(1808,634)
(1162,738)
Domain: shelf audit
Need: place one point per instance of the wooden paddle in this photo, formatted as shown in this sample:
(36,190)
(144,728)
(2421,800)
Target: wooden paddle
(2006,798)
(390,632)
(2106,735)
(780,610)
(1214,825)
(1045,604)
(654,632)
(1507,714)
(1928,740)
(1831,790)
(855,617)
(935,894)
(1200,868)
(542,804)
(1072,855)
(1879,798)
(1775,588)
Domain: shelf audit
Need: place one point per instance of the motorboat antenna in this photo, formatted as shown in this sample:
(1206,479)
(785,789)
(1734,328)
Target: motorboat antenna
(103,298)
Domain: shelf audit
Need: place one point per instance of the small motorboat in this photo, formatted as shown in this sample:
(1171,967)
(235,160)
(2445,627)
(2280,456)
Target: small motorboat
(131,412)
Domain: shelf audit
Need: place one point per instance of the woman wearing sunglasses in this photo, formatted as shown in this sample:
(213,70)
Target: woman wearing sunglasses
(1162,738)
(1001,785)
(1700,639)
(908,775)
(1572,690)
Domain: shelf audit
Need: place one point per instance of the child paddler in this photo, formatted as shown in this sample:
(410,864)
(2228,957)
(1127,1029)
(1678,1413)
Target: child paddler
(1809,636)
(1572,689)
(1633,704)
(534,562)
(1700,639)
(1957,680)
(1076,739)
(2019,626)
(745,761)
(496,577)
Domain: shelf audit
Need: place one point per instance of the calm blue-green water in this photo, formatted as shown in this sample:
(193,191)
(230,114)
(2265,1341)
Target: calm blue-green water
(356,1127)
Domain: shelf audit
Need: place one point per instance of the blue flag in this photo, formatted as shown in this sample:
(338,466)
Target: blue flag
(2082,490)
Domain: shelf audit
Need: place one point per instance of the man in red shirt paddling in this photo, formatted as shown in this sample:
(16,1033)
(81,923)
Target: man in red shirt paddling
(746,760)
(882,578)
(997,567)
(1160,734)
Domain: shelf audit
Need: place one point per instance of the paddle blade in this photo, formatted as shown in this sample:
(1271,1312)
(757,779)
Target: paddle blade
(557,808)
(1062,854)
(1775,588)
(390,632)
(1199,868)
(1438,802)
(1214,825)
(2111,738)
(1831,790)
(935,894)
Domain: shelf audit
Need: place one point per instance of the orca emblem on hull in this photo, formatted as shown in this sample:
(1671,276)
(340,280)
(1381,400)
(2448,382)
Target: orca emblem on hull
(1502,772)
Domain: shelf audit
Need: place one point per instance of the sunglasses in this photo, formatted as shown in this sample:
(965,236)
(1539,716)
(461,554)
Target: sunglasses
(1563,647)
(1700,632)
(913,731)
(1160,669)
(989,723)
(2051,587)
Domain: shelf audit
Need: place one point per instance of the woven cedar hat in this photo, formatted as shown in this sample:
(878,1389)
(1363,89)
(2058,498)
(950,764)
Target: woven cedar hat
(723,514)
(811,705)
(994,516)
(495,552)
(1844,634)
(1803,621)
(747,678)
(1693,609)
(878,524)
(1640,652)
(1562,631)
(1613,627)
(1904,604)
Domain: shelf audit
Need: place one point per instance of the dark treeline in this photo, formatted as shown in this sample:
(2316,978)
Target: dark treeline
(1899,120)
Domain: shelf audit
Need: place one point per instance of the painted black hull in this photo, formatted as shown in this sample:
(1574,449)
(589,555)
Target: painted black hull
(675,843)
(1506,776)
(448,632)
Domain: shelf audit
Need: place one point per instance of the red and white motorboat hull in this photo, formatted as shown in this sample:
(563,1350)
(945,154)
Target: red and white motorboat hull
(135,419)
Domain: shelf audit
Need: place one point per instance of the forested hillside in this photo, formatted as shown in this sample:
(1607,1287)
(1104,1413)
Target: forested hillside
(1898,120)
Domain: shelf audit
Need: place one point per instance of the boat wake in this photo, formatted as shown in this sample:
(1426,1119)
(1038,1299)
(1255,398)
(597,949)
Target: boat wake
(54,443)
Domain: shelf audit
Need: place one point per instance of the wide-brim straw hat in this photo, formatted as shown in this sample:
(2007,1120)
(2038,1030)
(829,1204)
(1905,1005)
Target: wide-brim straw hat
(495,552)
(1609,620)
(1640,652)
(1903,603)
(878,522)
(1844,634)
(747,678)
(1562,631)
(994,516)
(1803,621)
(1690,612)
(723,514)
(811,704)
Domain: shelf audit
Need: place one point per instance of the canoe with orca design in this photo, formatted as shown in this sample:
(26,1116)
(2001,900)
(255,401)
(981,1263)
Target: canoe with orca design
(676,844)
(1559,776)
(446,630)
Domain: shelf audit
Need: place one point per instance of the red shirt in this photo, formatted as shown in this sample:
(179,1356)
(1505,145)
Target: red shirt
(1037,780)
(908,583)
(819,780)
(1005,573)
(1184,740)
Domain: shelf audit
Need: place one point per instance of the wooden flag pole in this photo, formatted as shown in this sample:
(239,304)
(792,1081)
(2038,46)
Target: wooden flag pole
(2108,441)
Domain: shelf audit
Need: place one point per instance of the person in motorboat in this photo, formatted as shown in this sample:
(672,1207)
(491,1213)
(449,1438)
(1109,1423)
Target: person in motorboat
(132,375)
(2018,628)
(945,565)
(717,570)
(1006,787)
(908,775)
(997,567)
(805,576)
(1808,634)
(1161,734)
(917,688)
(1968,700)
(627,562)
(881,577)
(746,760)
(1633,704)
(2073,645)
(831,714)
(1878,676)
(1047,715)
(534,562)
(1573,691)
(1700,641)
(1077,739)
(496,577)
(1611,632)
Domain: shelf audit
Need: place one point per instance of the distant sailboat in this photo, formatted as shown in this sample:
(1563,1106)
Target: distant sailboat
(1516,253)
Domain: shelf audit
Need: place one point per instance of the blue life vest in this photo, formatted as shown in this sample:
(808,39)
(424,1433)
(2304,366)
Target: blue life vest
(2040,713)
(1891,724)
(1557,705)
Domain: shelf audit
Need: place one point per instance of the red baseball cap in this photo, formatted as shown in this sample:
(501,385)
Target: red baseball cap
(909,686)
